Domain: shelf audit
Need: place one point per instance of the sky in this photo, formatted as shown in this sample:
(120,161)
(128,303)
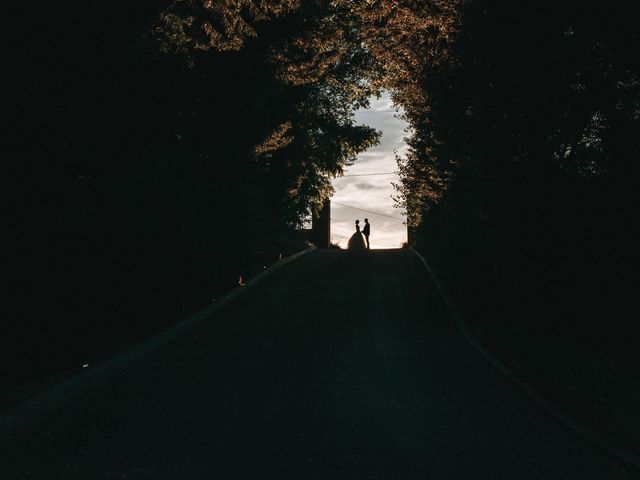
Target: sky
(373,192)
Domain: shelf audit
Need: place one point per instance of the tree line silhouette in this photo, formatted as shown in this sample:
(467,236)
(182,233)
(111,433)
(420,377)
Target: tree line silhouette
(158,150)
(523,163)
(520,183)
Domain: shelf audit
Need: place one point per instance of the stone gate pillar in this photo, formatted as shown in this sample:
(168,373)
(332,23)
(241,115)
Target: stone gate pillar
(321,226)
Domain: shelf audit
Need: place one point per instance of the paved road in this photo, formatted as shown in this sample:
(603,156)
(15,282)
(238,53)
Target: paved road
(336,367)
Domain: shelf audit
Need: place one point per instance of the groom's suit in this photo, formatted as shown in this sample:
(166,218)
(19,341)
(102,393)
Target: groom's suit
(366,231)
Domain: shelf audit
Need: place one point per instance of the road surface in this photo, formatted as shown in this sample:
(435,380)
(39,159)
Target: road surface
(338,366)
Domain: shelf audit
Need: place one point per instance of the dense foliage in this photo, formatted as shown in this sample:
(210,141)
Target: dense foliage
(524,152)
(521,184)
(159,152)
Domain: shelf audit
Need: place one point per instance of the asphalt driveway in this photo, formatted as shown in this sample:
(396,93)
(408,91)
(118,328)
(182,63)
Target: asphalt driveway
(338,366)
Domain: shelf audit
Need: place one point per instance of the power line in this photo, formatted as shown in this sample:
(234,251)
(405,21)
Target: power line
(368,211)
(368,174)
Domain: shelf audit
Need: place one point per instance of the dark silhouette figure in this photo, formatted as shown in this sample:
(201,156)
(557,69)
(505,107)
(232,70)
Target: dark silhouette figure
(366,231)
(356,242)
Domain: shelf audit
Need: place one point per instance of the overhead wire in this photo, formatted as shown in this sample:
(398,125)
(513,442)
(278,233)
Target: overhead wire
(368,211)
(367,174)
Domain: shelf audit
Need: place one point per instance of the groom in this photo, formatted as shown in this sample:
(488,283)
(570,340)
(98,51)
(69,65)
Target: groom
(366,231)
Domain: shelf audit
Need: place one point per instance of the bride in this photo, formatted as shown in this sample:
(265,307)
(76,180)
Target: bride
(356,242)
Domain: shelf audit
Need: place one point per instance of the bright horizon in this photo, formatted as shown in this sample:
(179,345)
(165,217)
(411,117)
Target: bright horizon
(369,196)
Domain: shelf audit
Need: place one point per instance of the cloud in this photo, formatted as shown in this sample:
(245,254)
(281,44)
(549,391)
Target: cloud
(364,186)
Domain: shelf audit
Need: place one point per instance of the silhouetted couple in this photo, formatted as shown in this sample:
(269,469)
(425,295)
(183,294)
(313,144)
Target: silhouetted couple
(360,240)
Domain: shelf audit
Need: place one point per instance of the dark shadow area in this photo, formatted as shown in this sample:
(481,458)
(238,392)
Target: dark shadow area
(148,166)
(338,366)
(537,228)
(156,152)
